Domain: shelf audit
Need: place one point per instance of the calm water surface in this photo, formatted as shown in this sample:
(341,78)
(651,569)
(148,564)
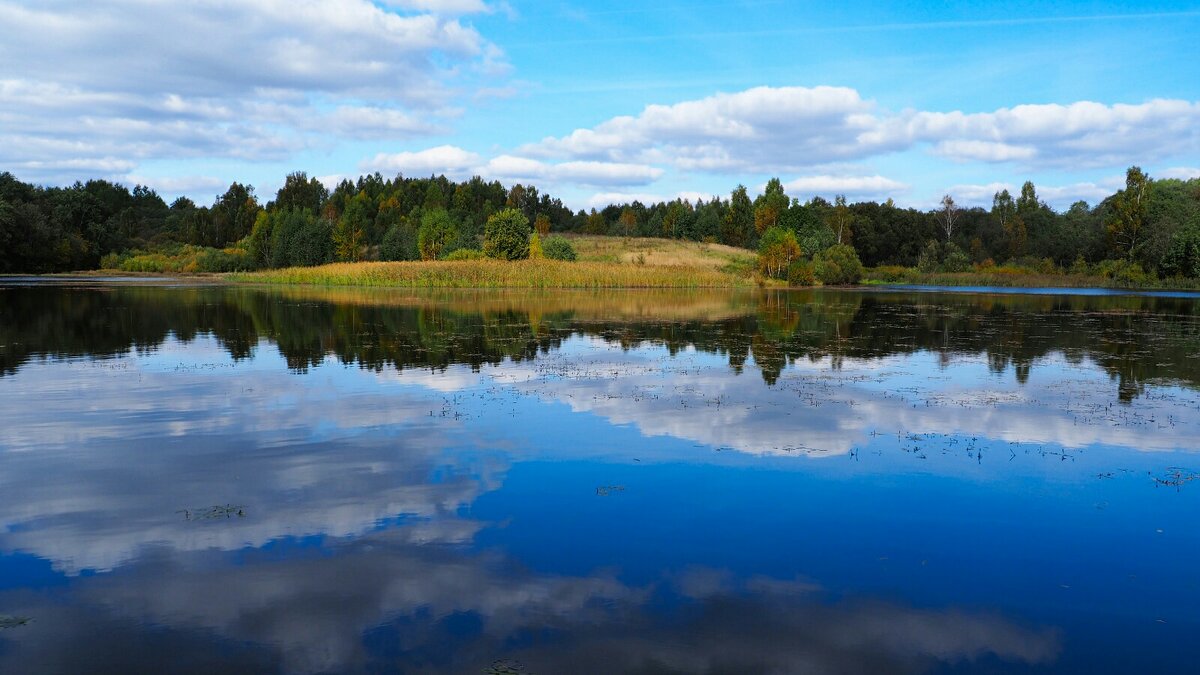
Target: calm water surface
(240,480)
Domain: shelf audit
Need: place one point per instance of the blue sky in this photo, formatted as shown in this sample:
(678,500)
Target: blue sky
(602,101)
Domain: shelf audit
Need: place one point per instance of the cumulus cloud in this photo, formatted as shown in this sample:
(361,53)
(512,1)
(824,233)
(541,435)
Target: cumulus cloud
(782,129)
(1057,196)
(853,186)
(223,79)
(441,6)
(443,159)
(602,199)
(456,162)
(1180,172)
(758,129)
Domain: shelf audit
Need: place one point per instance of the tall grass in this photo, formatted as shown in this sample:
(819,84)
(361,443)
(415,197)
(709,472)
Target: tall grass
(497,274)
(1019,277)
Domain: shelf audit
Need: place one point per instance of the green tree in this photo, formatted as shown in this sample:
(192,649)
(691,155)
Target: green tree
(233,215)
(258,244)
(628,222)
(349,235)
(400,243)
(506,235)
(738,224)
(769,206)
(437,233)
(776,250)
(1127,223)
(595,223)
(841,220)
(301,192)
(948,216)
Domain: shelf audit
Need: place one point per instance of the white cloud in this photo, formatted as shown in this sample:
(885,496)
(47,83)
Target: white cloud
(779,129)
(255,80)
(451,7)
(602,199)
(190,185)
(522,169)
(444,159)
(1180,172)
(1057,196)
(458,163)
(853,186)
(986,151)
(1084,133)
(763,128)
(367,122)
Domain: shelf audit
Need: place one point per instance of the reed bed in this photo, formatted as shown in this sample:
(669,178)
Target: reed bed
(497,274)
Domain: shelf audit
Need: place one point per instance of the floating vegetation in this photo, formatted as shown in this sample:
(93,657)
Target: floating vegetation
(13,621)
(1176,477)
(506,667)
(219,512)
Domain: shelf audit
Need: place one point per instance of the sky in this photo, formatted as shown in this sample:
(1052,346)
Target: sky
(606,101)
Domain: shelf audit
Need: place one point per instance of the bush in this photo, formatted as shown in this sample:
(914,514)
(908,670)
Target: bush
(1081,267)
(558,248)
(506,235)
(930,258)
(1183,255)
(535,247)
(224,260)
(464,254)
(1122,271)
(891,273)
(839,264)
(1047,266)
(955,260)
(801,273)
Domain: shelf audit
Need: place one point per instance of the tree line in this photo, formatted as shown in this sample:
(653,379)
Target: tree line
(1153,224)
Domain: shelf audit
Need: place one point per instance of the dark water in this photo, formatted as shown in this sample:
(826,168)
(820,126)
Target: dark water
(236,480)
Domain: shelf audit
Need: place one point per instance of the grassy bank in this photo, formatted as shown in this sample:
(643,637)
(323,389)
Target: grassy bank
(498,274)
(663,252)
(1007,278)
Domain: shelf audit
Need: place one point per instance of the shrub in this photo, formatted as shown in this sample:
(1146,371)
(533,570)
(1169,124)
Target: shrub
(506,235)
(930,257)
(1183,255)
(955,260)
(1122,271)
(465,254)
(891,273)
(1047,266)
(839,264)
(801,273)
(1081,267)
(535,247)
(558,248)
(224,260)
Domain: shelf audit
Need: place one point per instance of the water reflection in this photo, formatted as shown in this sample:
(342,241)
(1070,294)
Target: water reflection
(574,482)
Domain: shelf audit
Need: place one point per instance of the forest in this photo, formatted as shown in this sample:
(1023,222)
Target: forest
(1148,229)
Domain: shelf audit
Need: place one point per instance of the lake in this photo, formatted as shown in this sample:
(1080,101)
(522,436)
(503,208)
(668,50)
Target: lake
(230,479)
